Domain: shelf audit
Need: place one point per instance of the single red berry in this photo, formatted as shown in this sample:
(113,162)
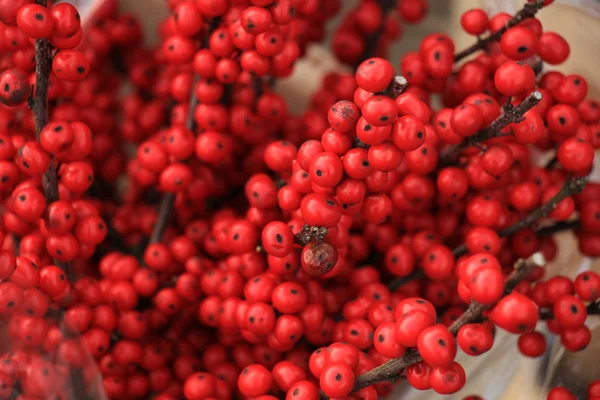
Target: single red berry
(576,155)
(410,325)
(448,379)
(569,312)
(419,375)
(374,75)
(514,78)
(437,346)
(515,313)
(70,65)
(408,133)
(518,43)
(35,21)
(254,380)
(474,21)
(475,339)
(14,88)
(575,339)
(337,380)
(553,48)
(380,111)
(532,344)
(67,21)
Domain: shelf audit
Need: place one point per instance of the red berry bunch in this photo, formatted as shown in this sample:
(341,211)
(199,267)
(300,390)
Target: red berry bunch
(370,28)
(170,230)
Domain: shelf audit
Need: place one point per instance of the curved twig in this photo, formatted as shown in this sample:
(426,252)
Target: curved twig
(528,11)
(390,370)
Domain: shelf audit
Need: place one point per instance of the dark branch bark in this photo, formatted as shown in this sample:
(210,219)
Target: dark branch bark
(372,40)
(39,107)
(528,11)
(592,309)
(558,227)
(511,114)
(164,216)
(390,370)
(168,199)
(570,187)
(398,85)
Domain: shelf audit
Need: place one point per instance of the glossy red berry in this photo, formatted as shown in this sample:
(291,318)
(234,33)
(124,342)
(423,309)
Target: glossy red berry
(337,380)
(255,380)
(514,78)
(532,344)
(437,346)
(374,75)
(70,65)
(474,21)
(515,313)
(35,21)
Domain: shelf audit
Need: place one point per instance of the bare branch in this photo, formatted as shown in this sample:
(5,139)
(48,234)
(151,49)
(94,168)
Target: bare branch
(511,114)
(390,370)
(528,11)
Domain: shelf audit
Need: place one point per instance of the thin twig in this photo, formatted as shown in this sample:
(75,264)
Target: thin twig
(372,40)
(39,107)
(558,227)
(257,87)
(164,216)
(511,114)
(592,309)
(528,11)
(168,199)
(390,370)
(398,85)
(570,186)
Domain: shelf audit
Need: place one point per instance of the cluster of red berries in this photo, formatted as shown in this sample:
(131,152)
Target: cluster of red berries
(22,23)
(372,26)
(289,256)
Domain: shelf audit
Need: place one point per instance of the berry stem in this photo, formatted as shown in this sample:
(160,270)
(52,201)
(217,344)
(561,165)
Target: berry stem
(257,87)
(570,187)
(399,83)
(558,227)
(309,233)
(592,309)
(528,11)
(168,199)
(390,371)
(39,107)
(372,40)
(511,114)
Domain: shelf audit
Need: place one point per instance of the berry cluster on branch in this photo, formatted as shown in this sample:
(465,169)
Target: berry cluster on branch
(169,230)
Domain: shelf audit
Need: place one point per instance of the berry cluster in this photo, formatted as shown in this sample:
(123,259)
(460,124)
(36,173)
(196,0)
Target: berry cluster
(171,230)
(370,28)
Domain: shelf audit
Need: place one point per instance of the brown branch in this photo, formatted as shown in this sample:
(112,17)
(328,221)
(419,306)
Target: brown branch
(511,114)
(592,309)
(528,11)
(390,370)
(570,187)
(39,106)
(372,40)
(164,216)
(397,86)
(257,87)
(558,227)
(168,199)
